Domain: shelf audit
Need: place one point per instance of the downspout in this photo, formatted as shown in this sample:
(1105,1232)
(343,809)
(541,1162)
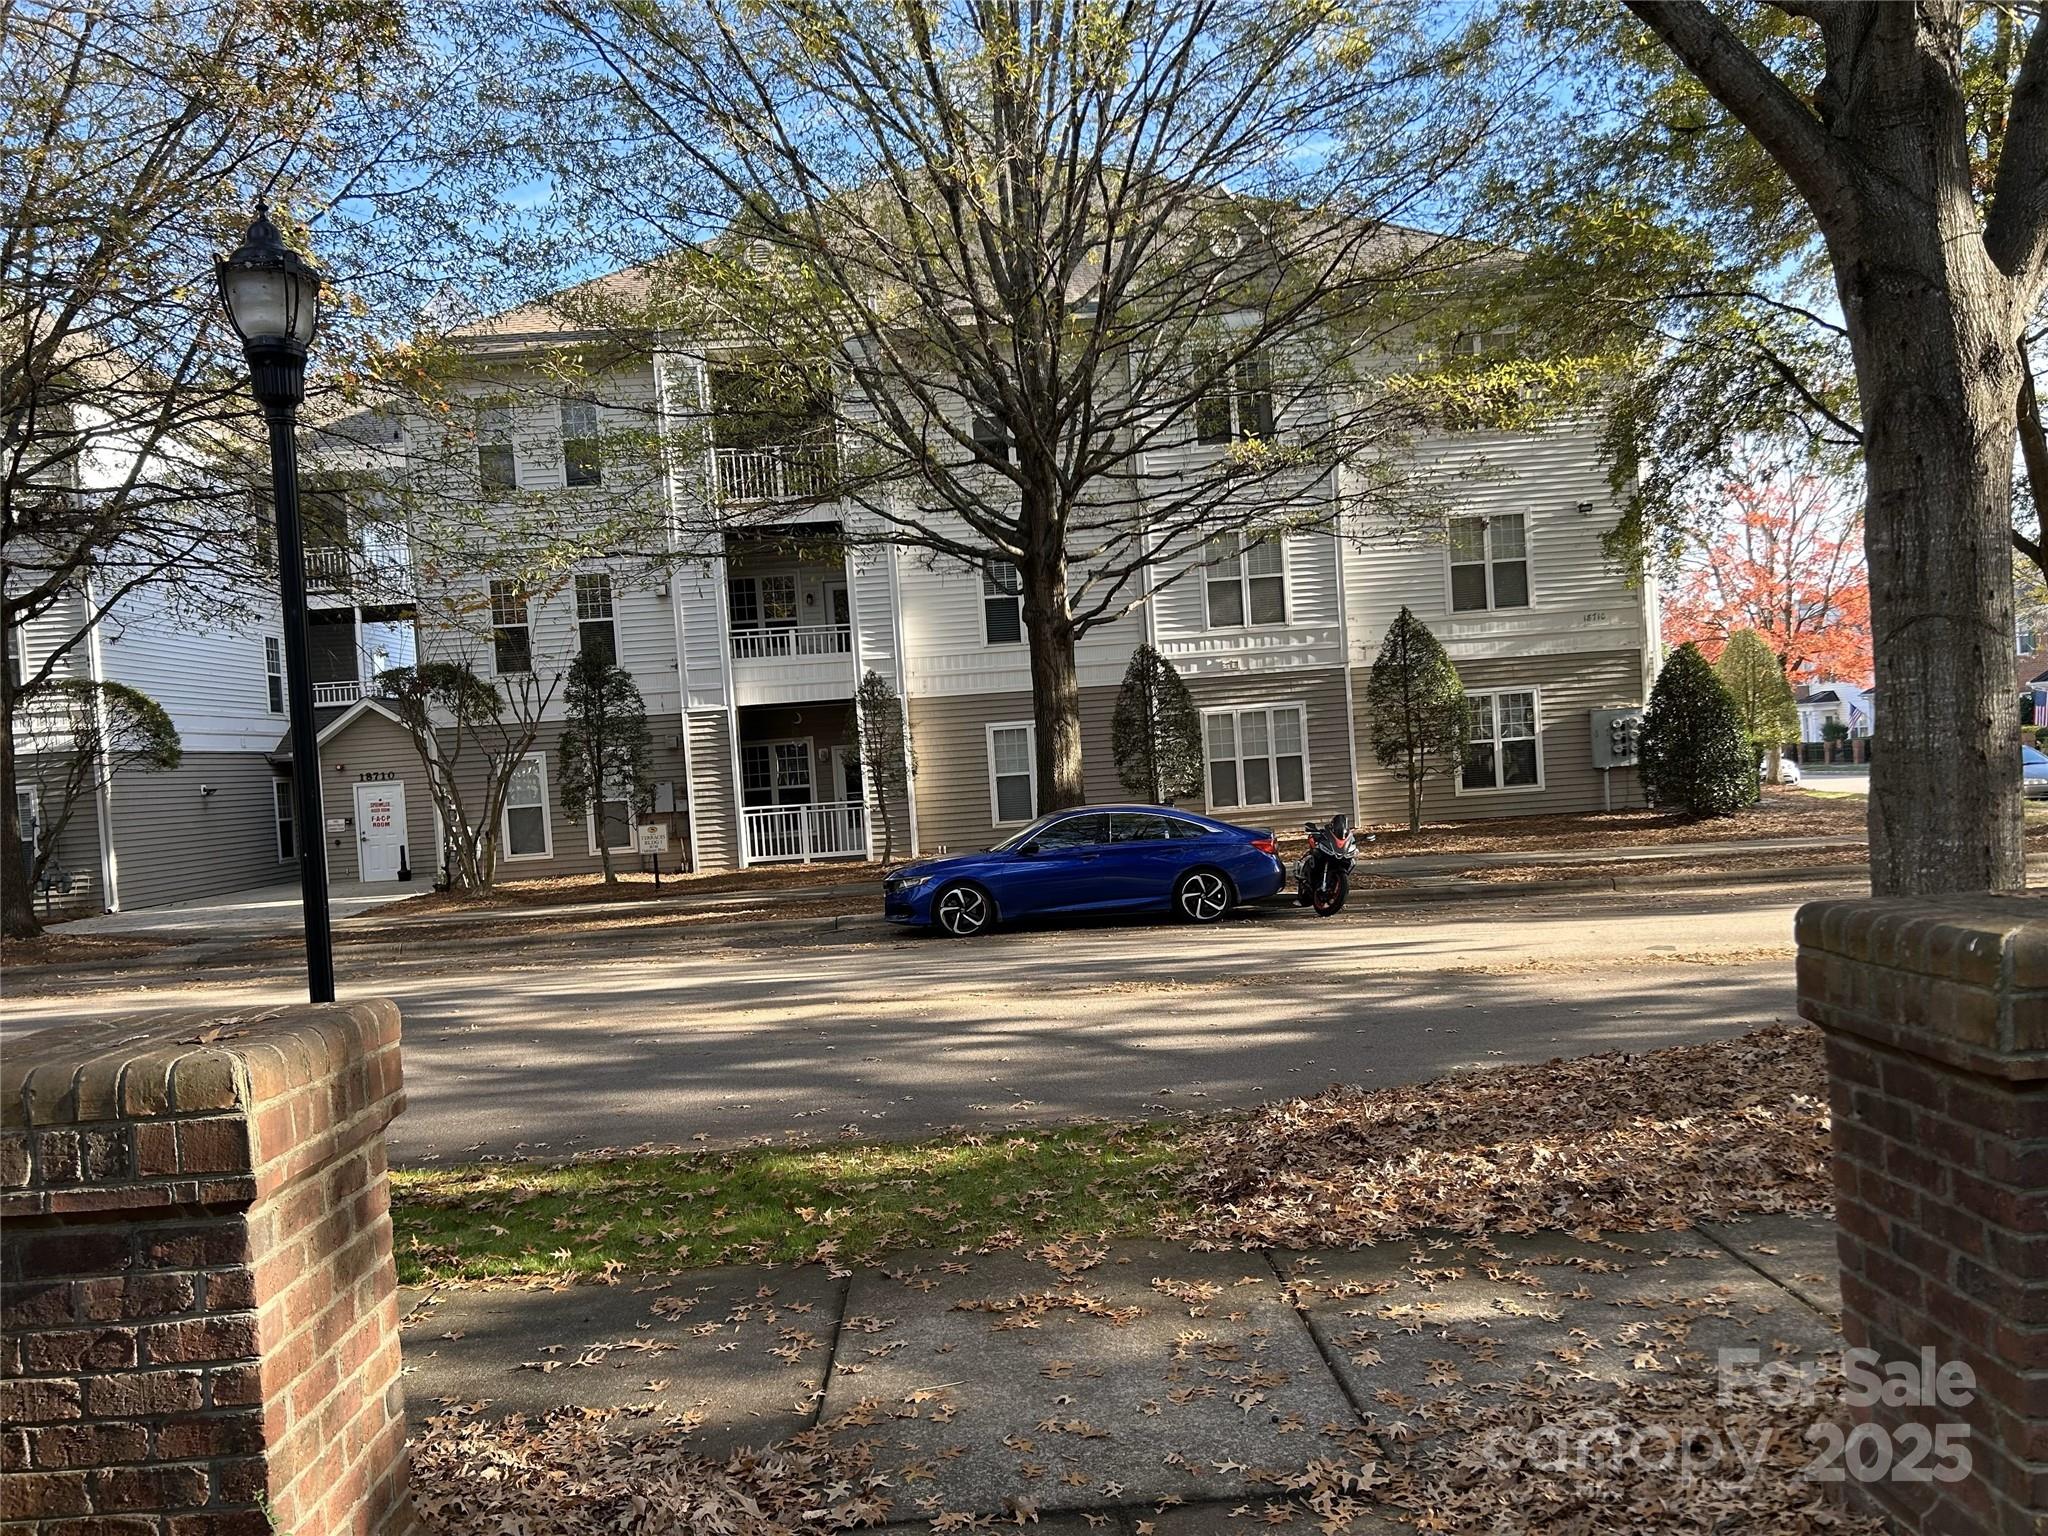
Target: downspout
(103,797)
(1344,646)
(868,794)
(675,613)
(903,693)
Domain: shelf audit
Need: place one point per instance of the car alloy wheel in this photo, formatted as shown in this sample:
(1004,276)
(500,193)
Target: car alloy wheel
(1203,897)
(962,911)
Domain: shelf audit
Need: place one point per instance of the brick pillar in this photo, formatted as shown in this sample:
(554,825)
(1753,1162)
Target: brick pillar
(200,1331)
(1936,1018)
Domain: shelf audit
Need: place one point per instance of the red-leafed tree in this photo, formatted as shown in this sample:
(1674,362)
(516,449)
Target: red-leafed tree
(1786,560)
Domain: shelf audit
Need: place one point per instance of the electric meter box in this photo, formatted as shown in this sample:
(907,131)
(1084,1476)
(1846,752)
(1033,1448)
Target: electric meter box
(1615,734)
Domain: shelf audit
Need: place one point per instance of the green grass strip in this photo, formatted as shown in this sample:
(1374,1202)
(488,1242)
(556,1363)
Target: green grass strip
(854,1203)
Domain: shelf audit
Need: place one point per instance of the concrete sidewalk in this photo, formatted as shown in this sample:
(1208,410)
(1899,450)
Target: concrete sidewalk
(1119,1378)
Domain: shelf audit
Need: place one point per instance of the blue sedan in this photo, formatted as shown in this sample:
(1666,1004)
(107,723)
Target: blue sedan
(2033,772)
(1115,858)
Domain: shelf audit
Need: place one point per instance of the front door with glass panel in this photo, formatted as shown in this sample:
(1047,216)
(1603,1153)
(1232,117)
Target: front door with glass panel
(380,830)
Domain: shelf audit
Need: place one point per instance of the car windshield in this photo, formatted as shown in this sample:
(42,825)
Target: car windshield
(1024,835)
(2032,755)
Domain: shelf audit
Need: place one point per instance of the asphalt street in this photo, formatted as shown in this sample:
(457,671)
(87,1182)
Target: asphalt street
(555,1044)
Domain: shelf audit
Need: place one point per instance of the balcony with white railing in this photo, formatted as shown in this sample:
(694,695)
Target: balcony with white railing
(798,834)
(785,472)
(333,695)
(792,664)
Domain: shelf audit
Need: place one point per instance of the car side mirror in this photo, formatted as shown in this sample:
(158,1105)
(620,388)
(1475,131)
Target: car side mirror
(1028,849)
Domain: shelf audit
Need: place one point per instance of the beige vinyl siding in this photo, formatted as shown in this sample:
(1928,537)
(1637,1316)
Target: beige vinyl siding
(951,734)
(570,850)
(1568,689)
(373,743)
(77,859)
(173,843)
(712,798)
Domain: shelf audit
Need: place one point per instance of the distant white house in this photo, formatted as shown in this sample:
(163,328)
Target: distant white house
(1823,704)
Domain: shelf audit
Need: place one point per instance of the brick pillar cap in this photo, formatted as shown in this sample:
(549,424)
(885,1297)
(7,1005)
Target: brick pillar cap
(174,1103)
(1960,978)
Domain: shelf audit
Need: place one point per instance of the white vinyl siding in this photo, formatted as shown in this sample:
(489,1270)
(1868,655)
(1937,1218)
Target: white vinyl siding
(1256,756)
(1506,750)
(1012,773)
(525,833)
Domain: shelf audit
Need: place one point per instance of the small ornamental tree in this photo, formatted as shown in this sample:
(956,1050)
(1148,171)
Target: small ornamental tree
(74,736)
(471,735)
(604,745)
(886,761)
(1415,709)
(1692,755)
(1155,734)
(1763,702)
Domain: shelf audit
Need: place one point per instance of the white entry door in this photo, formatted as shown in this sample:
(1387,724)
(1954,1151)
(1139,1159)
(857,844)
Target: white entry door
(380,829)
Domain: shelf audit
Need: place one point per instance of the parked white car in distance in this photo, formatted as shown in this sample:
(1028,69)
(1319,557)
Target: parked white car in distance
(1788,770)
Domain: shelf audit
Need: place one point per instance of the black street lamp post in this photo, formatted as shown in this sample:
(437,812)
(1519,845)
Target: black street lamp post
(272,296)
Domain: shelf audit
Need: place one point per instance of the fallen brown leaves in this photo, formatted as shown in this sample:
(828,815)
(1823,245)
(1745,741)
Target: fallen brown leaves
(1616,1142)
(578,1474)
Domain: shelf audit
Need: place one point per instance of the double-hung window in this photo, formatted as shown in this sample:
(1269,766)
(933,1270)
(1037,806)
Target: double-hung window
(1012,774)
(1238,404)
(1002,603)
(596,629)
(1257,756)
(511,630)
(1246,583)
(775,773)
(525,831)
(281,805)
(1503,751)
(1489,563)
(990,438)
(582,444)
(497,470)
(273,672)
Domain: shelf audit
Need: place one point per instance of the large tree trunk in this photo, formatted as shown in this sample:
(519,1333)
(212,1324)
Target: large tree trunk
(1939,381)
(17,901)
(1055,681)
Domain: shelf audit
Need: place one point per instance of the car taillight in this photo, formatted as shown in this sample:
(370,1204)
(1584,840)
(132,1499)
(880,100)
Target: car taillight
(1266,845)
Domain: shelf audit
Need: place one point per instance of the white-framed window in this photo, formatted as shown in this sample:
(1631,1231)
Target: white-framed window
(1505,750)
(1246,582)
(273,672)
(281,806)
(1257,755)
(776,772)
(595,624)
(511,630)
(1002,604)
(990,438)
(614,817)
(582,444)
(526,833)
(497,468)
(1489,563)
(1012,772)
(28,818)
(761,602)
(1239,404)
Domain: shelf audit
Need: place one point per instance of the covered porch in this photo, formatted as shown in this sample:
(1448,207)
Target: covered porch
(800,789)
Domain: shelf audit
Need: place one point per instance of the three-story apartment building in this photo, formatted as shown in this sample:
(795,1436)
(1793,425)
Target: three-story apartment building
(749,647)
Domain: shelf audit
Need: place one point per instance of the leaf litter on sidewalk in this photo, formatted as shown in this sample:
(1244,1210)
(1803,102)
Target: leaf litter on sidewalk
(1621,1142)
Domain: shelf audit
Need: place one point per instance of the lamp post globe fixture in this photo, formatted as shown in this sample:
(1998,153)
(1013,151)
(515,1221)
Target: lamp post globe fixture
(272,298)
